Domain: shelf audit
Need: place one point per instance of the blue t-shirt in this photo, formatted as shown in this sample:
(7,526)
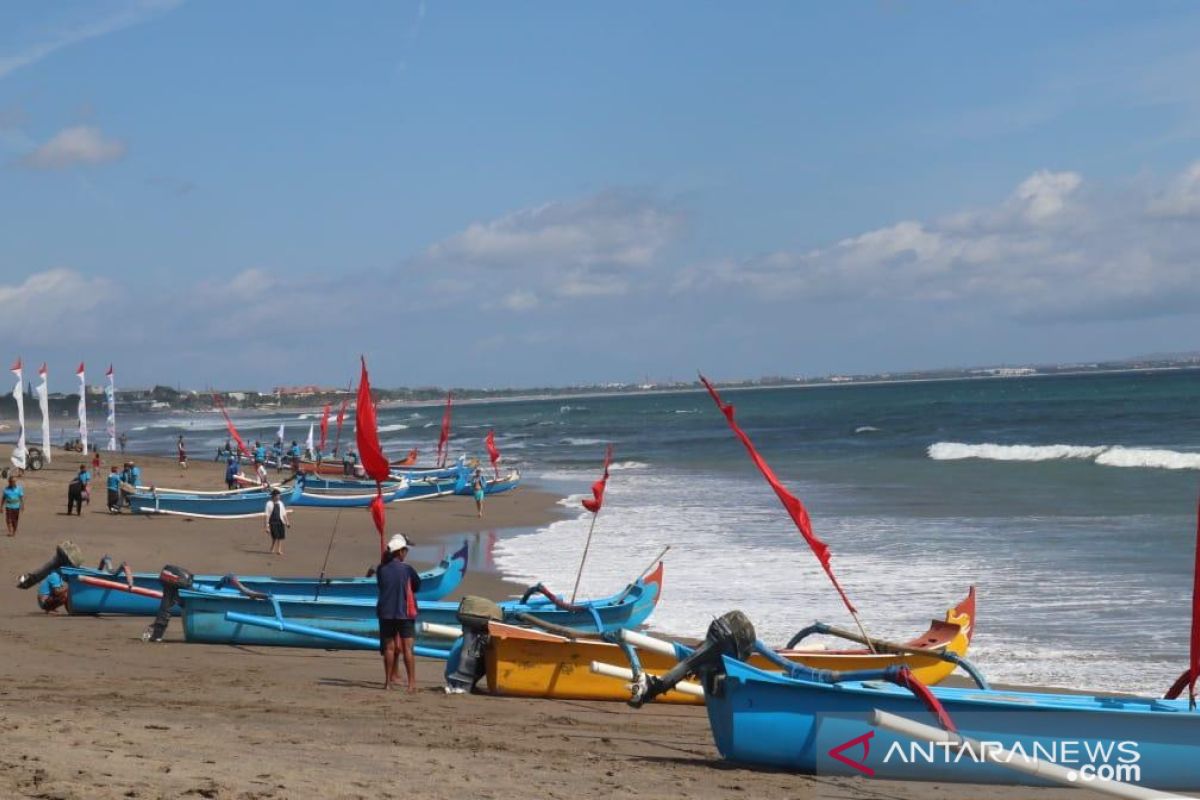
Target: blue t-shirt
(231,470)
(85,477)
(135,476)
(260,453)
(114,482)
(53,581)
(13,496)
(398,584)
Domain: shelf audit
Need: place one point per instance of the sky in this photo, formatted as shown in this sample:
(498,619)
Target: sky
(485,194)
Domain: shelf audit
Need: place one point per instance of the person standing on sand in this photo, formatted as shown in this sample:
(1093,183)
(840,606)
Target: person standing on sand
(96,461)
(14,501)
(231,471)
(114,490)
(396,610)
(75,490)
(122,440)
(478,489)
(261,471)
(182,450)
(260,453)
(276,522)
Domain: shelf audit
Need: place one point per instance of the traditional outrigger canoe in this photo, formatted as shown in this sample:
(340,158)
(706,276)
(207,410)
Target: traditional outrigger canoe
(93,591)
(237,619)
(880,722)
(526,662)
(230,504)
(495,485)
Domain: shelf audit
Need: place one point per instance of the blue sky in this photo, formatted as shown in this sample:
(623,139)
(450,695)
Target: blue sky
(486,194)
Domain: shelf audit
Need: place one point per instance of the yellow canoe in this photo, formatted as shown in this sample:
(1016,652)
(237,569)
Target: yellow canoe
(524,662)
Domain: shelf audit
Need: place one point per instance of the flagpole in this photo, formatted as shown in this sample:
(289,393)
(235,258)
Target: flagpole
(582,561)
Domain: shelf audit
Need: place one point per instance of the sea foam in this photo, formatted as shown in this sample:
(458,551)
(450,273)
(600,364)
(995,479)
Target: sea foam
(1105,455)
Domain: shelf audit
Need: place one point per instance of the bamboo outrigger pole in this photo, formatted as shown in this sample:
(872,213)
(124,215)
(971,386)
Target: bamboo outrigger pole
(593,506)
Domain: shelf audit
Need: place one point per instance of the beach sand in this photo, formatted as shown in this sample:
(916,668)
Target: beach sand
(89,711)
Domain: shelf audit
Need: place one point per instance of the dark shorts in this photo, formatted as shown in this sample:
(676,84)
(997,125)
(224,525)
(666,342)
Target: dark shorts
(114,498)
(404,628)
(278,530)
(11,515)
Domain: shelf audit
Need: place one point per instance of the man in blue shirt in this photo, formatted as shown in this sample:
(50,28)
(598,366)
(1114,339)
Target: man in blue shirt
(14,501)
(232,468)
(113,485)
(396,610)
(52,593)
(295,454)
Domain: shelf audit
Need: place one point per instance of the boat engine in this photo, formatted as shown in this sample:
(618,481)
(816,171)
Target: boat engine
(173,579)
(466,664)
(731,634)
(66,554)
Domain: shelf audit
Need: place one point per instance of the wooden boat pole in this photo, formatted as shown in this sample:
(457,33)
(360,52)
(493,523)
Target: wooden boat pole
(582,561)
(328,550)
(611,671)
(644,572)
(1029,765)
(866,639)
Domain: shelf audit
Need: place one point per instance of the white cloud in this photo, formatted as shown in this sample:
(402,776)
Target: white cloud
(50,305)
(1054,249)
(82,144)
(519,301)
(66,35)
(567,248)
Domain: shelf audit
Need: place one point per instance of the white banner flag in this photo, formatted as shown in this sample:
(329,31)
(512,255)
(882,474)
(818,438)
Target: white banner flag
(279,435)
(110,392)
(309,443)
(43,391)
(18,453)
(82,407)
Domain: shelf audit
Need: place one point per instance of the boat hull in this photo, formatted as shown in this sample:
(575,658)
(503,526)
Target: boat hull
(765,719)
(529,663)
(85,598)
(205,620)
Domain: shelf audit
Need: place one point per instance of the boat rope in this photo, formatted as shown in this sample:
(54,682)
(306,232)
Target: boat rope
(328,550)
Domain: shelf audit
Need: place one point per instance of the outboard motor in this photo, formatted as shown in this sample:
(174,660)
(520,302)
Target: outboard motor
(173,579)
(731,634)
(466,664)
(66,554)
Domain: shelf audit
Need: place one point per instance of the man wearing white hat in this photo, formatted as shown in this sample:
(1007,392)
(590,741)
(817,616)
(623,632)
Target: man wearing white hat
(396,609)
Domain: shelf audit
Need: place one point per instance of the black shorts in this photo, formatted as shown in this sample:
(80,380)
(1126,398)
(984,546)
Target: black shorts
(278,530)
(404,628)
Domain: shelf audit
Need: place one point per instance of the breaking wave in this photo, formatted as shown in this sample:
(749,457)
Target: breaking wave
(1105,455)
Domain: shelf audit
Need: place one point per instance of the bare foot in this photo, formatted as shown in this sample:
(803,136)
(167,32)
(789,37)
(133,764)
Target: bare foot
(411,690)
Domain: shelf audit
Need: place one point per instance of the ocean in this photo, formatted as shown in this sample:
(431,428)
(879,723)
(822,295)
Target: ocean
(1068,501)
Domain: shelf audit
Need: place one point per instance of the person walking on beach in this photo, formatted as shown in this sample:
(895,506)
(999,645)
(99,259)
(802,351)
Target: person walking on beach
(182,451)
(75,490)
(14,501)
(232,467)
(113,485)
(260,453)
(295,454)
(122,440)
(276,522)
(96,461)
(261,472)
(396,610)
(478,489)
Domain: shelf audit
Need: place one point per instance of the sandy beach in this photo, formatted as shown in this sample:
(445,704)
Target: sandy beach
(89,711)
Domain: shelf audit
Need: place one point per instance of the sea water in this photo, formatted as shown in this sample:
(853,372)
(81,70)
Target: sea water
(1068,501)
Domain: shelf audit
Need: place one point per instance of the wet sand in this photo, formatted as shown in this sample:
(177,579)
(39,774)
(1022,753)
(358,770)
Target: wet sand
(89,711)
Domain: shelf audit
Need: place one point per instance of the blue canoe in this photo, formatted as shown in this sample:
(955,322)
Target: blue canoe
(236,619)
(771,720)
(494,485)
(237,503)
(88,596)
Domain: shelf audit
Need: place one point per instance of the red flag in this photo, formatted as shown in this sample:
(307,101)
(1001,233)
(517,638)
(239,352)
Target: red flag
(337,438)
(110,372)
(229,423)
(366,429)
(599,486)
(443,449)
(17,366)
(1195,661)
(80,370)
(325,426)
(795,508)
(493,453)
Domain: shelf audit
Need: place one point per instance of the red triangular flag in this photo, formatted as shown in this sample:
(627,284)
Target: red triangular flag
(599,486)
(493,453)
(795,508)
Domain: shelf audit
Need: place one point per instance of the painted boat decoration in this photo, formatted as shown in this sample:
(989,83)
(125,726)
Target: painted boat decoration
(878,722)
(90,591)
(228,505)
(237,619)
(494,485)
(525,662)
